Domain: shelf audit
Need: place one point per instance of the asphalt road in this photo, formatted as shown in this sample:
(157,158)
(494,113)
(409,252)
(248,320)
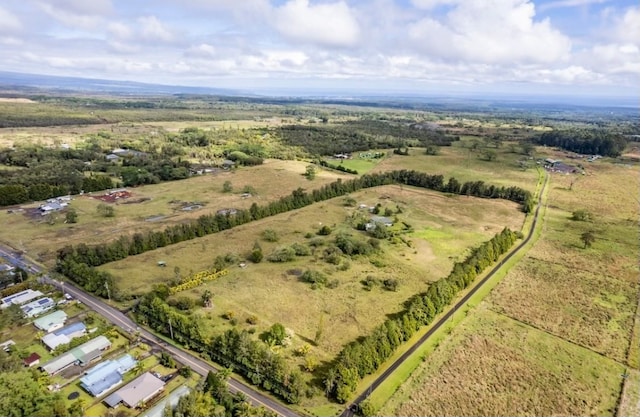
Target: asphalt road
(354,406)
(117,318)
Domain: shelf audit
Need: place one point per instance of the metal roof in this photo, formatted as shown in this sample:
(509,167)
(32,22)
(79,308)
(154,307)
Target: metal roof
(80,353)
(56,318)
(64,335)
(107,375)
(21,297)
(141,389)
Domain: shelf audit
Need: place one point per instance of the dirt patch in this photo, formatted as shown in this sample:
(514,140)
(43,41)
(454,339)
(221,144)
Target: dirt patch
(114,196)
(16,100)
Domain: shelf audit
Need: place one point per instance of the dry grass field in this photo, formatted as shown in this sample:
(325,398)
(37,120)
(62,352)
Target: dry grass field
(494,365)
(271,180)
(443,227)
(554,337)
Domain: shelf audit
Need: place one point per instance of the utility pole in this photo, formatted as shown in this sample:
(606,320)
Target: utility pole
(170,328)
(106,285)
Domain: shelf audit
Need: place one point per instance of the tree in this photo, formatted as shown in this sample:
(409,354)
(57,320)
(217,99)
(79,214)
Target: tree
(367,409)
(256,254)
(227,187)
(581,215)
(71,216)
(270,235)
(489,155)
(21,395)
(276,334)
(588,238)
(432,150)
(206,298)
(310,172)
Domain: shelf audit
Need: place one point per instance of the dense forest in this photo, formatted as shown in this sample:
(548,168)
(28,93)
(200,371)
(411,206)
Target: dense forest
(587,142)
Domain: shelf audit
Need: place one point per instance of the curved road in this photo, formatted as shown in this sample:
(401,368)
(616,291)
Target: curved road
(119,319)
(355,405)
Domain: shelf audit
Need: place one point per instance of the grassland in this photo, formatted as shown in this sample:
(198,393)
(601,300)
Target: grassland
(556,335)
(494,365)
(268,291)
(161,204)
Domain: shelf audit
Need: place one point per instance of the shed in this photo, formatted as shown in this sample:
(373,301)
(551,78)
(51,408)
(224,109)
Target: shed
(35,308)
(32,360)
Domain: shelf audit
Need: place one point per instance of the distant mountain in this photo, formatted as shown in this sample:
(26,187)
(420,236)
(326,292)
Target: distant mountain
(21,81)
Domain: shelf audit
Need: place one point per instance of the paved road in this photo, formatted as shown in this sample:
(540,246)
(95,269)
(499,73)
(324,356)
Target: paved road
(118,319)
(354,406)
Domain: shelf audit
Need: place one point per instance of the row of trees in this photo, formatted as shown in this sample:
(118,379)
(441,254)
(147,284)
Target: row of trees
(213,223)
(248,357)
(589,142)
(18,193)
(338,167)
(364,356)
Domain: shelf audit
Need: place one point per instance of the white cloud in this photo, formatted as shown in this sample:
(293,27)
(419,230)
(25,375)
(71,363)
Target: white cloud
(569,3)
(327,24)
(86,15)
(628,26)
(430,4)
(152,29)
(120,30)
(500,31)
(203,50)
(9,22)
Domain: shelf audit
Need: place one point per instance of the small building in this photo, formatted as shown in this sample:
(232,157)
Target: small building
(6,346)
(20,298)
(6,268)
(35,308)
(51,322)
(228,164)
(136,392)
(31,360)
(107,375)
(382,220)
(52,207)
(112,157)
(81,355)
(64,335)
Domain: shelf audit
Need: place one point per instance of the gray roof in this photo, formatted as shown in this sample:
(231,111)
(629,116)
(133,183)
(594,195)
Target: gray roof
(81,353)
(141,389)
(56,318)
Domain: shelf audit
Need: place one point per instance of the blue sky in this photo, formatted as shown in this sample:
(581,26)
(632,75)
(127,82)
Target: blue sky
(569,47)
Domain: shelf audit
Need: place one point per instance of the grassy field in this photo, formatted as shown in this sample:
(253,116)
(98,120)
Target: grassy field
(555,336)
(442,231)
(494,365)
(161,204)
(465,165)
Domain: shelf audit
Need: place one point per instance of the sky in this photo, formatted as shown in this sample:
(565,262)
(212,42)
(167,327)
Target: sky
(569,47)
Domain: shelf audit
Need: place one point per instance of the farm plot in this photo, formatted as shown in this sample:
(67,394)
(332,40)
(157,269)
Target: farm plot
(274,291)
(494,365)
(265,182)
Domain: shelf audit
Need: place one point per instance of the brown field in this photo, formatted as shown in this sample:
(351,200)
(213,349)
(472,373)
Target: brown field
(493,365)
(15,100)
(554,336)
(271,180)
(268,291)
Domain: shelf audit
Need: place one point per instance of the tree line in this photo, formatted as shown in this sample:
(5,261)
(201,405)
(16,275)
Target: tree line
(77,262)
(233,349)
(365,355)
(585,141)
(207,224)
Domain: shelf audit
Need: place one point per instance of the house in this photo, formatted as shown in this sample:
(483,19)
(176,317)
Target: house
(5,268)
(107,375)
(81,355)
(228,164)
(35,308)
(112,157)
(20,298)
(51,322)
(64,335)
(382,220)
(136,392)
(31,360)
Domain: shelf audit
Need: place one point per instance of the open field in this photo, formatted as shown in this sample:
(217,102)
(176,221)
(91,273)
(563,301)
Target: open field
(577,299)
(442,231)
(493,365)
(270,181)
(465,165)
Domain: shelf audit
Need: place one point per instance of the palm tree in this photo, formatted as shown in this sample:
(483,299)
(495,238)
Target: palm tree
(137,370)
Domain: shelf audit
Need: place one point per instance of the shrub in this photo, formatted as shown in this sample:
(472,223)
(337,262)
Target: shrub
(390,284)
(229,314)
(253,319)
(285,254)
(270,235)
(300,249)
(324,231)
(314,277)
